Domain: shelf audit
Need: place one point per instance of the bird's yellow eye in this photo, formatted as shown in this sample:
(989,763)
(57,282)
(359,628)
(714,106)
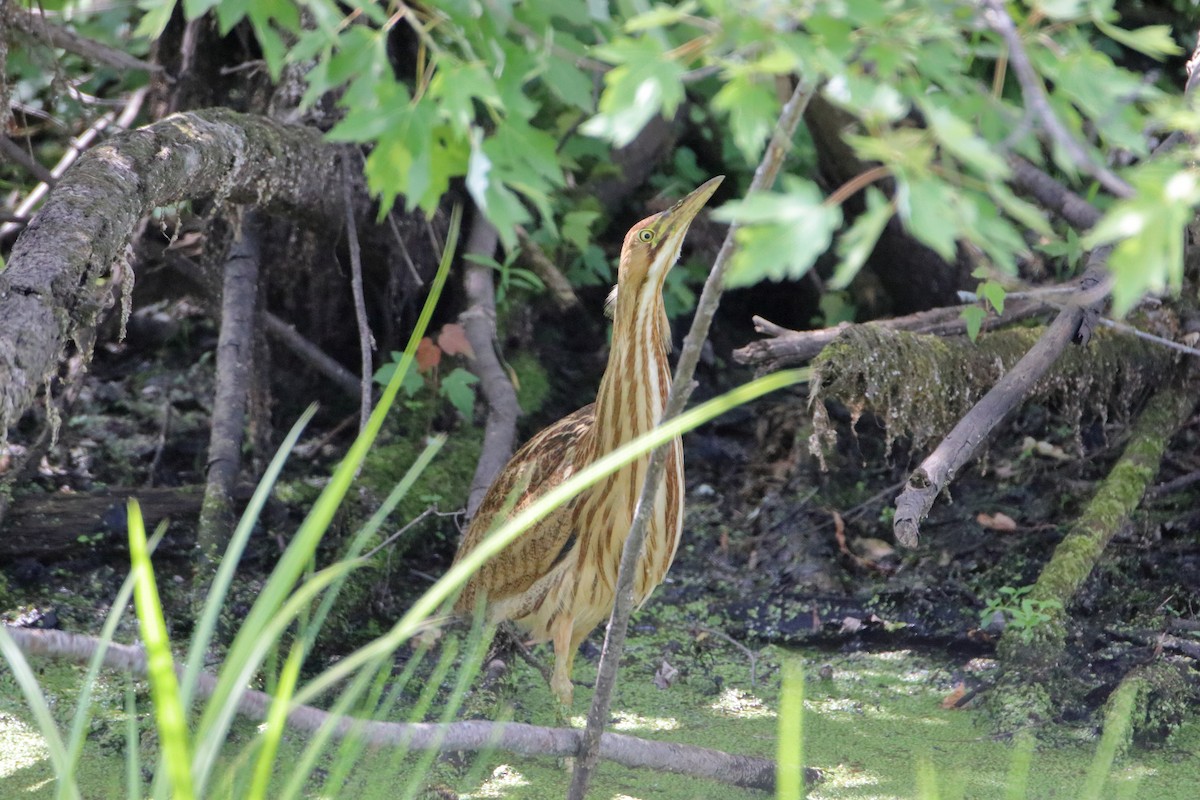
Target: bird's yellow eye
(646,235)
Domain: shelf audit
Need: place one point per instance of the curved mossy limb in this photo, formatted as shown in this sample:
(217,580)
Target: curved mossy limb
(920,385)
(1037,657)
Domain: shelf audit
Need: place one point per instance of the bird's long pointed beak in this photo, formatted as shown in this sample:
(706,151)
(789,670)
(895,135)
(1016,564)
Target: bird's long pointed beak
(679,216)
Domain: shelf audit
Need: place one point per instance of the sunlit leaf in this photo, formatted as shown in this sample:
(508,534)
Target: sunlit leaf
(752,108)
(781,235)
(643,83)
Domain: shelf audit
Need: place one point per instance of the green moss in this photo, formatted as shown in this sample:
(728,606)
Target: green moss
(445,482)
(533,383)
(921,385)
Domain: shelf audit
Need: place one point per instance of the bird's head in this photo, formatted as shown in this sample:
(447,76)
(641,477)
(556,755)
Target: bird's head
(652,246)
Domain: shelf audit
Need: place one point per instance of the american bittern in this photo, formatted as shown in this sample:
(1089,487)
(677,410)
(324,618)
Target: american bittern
(558,579)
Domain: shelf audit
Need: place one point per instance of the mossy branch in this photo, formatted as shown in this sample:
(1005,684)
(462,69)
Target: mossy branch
(55,285)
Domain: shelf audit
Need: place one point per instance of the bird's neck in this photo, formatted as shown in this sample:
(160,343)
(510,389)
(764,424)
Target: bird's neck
(633,391)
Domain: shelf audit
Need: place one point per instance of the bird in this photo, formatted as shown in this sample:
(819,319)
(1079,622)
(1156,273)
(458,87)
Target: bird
(557,580)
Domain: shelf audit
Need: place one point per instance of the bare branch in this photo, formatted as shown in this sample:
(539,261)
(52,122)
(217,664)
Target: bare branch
(13,152)
(35,24)
(479,322)
(560,288)
(366,341)
(788,347)
(74,150)
(312,355)
(235,366)
(629,751)
(960,445)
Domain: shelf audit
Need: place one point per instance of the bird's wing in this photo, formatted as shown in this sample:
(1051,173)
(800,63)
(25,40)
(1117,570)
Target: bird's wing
(545,461)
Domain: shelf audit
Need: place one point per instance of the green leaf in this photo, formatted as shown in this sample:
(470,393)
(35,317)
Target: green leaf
(661,16)
(925,205)
(994,293)
(870,99)
(1060,9)
(568,82)
(1148,231)
(457,388)
(959,139)
(455,88)
(577,227)
(496,201)
(856,244)
(752,108)
(1152,40)
(643,83)
(154,21)
(781,235)
(973,316)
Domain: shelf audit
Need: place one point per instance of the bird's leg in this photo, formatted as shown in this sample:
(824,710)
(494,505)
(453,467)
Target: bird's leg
(564,658)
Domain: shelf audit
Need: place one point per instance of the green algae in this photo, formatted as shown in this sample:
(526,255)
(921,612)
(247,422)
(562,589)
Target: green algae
(873,724)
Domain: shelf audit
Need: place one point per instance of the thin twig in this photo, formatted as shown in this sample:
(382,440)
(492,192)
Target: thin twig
(35,24)
(997,18)
(160,444)
(18,156)
(750,655)
(366,342)
(681,389)
(405,529)
(412,268)
(1122,327)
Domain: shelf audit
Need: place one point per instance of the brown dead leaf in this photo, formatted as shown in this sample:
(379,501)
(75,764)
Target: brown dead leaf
(429,355)
(997,522)
(453,341)
(951,700)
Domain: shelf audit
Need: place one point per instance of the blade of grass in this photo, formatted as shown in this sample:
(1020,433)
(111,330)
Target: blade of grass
(359,543)
(215,601)
(789,758)
(276,721)
(319,741)
(79,724)
(927,785)
(296,605)
(169,715)
(41,713)
(478,639)
(449,583)
(353,743)
(133,760)
(240,663)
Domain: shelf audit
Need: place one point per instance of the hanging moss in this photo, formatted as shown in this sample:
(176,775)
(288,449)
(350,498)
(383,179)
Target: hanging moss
(920,385)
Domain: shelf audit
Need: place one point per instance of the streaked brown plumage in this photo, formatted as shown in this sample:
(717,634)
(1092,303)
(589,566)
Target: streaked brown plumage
(558,579)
